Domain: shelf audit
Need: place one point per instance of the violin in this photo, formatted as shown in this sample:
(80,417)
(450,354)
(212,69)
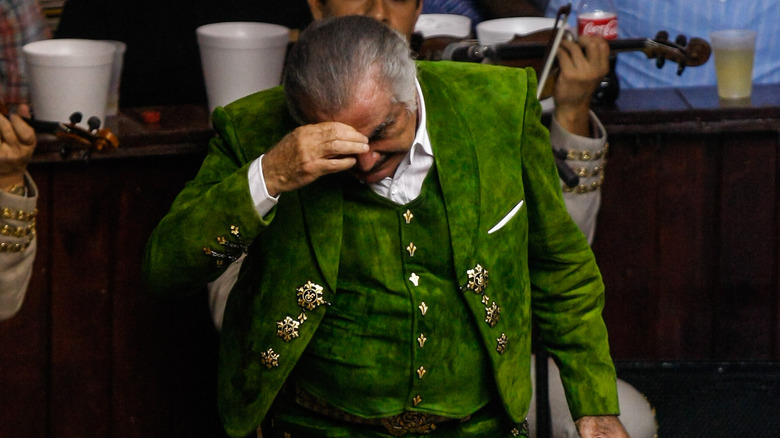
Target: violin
(531,50)
(537,50)
(92,138)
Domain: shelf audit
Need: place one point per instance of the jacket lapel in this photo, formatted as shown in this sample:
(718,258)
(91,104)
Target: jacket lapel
(458,168)
(323,208)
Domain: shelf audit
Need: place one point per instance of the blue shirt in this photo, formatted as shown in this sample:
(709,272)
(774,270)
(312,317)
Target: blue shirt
(467,8)
(692,18)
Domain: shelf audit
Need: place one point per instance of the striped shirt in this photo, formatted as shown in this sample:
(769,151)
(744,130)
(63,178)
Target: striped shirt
(21,22)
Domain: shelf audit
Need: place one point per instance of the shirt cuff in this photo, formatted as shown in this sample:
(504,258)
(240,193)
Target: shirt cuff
(15,202)
(257,188)
(563,139)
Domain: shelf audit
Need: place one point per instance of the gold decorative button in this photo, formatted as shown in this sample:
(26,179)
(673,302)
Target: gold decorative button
(411,248)
(287,329)
(421,372)
(503,341)
(415,279)
(269,358)
(478,279)
(492,314)
(423,308)
(232,249)
(520,429)
(310,296)
(421,340)
(408,216)
(417,399)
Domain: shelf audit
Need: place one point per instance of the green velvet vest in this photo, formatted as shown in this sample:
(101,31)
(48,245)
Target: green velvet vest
(397,335)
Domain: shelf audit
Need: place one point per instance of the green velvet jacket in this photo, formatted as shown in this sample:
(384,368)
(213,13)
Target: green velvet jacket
(491,152)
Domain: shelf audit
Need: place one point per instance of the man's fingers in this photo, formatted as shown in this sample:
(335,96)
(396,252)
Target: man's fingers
(309,152)
(6,129)
(337,130)
(584,62)
(337,148)
(596,52)
(15,131)
(24,132)
(333,165)
(333,139)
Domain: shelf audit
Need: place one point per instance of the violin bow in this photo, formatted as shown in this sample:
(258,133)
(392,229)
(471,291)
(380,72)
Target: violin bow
(561,18)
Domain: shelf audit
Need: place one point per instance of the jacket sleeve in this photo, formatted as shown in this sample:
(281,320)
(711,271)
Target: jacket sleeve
(18,241)
(583,153)
(213,220)
(567,290)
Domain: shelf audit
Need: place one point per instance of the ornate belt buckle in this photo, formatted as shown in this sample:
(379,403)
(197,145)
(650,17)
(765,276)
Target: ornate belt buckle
(409,422)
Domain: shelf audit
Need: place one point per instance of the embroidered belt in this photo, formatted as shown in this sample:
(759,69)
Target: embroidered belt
(397,425)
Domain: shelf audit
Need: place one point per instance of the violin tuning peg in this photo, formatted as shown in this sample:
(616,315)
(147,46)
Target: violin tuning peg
(75,117)
(93,123)
(681,40)
(680,68)
(662,35)
(659,62)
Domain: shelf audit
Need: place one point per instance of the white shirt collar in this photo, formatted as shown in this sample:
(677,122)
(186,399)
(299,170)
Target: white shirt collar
(421,140)
(406,184)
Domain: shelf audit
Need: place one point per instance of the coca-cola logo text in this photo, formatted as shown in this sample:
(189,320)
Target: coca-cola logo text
(608,29)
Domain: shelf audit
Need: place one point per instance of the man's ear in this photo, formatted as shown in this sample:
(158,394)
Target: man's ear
(317,8)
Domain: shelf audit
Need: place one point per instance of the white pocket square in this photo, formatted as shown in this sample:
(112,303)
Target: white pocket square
(506,218)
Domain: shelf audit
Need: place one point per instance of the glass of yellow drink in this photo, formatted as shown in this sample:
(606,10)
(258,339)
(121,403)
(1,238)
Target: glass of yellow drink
(734,51)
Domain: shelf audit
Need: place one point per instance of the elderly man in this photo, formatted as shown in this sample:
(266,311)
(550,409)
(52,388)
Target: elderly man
(398,237)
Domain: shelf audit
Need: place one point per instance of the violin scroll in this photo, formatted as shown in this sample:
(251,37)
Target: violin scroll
(684,52)
(90,139)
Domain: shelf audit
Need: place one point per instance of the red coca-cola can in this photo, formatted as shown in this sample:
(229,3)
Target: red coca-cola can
(600,23)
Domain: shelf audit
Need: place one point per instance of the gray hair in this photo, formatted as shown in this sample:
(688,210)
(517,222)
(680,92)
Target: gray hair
(334,55)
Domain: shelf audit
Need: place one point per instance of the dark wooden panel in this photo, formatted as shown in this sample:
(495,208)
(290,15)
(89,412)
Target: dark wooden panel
(745,317)
(687,242)
(164,361)
(685,247)
(625,244)
(83,220)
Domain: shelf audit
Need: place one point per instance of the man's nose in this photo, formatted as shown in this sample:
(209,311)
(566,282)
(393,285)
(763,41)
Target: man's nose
(366,161)
(378,11)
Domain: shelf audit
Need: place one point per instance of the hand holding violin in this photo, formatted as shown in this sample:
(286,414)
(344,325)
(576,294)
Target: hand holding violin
(16,149)
(582,66)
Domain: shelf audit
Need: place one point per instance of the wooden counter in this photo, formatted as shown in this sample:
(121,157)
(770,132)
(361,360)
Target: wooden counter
(687,238)
(687,241)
